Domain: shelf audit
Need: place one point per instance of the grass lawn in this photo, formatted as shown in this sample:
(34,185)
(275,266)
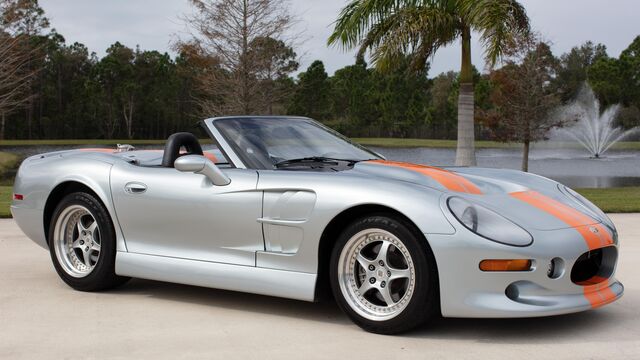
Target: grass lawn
(8,161)
(5,201)
(614,200)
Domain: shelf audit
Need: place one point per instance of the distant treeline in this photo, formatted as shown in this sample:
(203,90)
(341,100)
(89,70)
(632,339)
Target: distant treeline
(134,93)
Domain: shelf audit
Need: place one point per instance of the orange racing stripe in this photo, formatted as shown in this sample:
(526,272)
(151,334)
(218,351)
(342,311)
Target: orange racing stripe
(599,295)
(448,179)
(595,235)
(101,150)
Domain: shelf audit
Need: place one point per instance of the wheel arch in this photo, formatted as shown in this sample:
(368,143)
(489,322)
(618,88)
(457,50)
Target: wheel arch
(58,193)
(338,224)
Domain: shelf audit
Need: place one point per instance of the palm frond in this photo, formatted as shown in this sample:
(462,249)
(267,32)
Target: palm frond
(417,27)
(498,21)
(428,47)
(356,18)
(419,33)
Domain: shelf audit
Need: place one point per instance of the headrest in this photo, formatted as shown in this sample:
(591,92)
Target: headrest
(177,141)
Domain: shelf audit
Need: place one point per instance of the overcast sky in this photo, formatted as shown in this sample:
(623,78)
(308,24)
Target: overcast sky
(153,24)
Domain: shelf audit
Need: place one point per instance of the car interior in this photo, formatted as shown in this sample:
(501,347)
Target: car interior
(254,152)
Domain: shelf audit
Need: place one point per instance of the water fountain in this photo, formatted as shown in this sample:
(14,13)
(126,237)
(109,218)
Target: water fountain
(594,130)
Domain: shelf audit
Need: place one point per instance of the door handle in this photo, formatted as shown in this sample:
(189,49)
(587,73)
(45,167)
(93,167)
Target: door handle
(135,188)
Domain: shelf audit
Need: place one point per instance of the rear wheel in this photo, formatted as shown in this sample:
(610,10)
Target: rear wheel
(384,276)
(82,243)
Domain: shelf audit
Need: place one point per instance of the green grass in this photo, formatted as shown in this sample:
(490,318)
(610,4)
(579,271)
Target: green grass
(6,194)
(627,145)
(614,200)
(8,161)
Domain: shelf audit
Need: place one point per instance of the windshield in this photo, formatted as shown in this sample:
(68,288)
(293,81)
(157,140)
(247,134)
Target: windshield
(264,142)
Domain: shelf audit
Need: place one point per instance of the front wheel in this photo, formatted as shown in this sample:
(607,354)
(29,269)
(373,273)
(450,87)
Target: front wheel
(82,243)
(384,276)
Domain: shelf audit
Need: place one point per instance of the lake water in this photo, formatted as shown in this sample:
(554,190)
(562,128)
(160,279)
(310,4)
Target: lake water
(571,167)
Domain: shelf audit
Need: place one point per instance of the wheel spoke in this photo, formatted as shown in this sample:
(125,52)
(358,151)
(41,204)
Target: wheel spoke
(399,274)
(383,252)
(95,246)
(386,295)
(87,258)
(76,244)
(366,286)
(363,261)
(81,228)
(93,226)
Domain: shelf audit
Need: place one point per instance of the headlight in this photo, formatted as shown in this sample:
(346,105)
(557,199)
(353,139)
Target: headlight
(488,224)
(587,205)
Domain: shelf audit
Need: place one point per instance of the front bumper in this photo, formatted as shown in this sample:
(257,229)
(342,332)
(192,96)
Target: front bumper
(466,291)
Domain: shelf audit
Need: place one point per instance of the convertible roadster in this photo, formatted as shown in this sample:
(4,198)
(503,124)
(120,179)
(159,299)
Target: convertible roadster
(284,206)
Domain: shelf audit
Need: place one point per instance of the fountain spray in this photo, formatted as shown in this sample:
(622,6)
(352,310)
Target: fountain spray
(594,130)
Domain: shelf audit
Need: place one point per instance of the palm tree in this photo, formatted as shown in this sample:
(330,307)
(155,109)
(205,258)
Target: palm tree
(418,28)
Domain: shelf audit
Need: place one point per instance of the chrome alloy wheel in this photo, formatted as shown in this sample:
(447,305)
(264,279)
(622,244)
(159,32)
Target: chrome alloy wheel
(376,274)
(76,239)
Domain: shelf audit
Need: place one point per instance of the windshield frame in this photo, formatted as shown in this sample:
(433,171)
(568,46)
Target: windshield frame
(234,156)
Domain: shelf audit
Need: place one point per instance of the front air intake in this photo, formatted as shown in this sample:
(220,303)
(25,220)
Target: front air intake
(594,266)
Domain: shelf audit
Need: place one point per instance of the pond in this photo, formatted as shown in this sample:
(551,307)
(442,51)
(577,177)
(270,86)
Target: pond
(571,167)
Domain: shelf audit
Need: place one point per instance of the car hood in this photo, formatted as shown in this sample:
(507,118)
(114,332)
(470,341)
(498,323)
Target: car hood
(529,200)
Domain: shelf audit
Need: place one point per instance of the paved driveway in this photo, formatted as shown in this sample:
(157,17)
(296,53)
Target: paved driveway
(40,317)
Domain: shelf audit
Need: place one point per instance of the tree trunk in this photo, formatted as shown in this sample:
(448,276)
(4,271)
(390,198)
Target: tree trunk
(2,122)
(244,59)
(466,153)
(128,116)
(525,156)
(29,118)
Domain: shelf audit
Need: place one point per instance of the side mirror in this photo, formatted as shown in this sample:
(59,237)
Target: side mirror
(201,165)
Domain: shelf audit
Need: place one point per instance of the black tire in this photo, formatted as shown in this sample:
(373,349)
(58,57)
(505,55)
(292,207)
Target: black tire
(103,275)
(425,300)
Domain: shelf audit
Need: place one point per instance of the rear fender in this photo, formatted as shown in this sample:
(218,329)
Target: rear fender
(36,180)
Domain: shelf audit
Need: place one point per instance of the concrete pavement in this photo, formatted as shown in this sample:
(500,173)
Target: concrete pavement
(40,317)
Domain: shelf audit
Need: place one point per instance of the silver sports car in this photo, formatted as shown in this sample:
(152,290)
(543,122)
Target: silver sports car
(284,206)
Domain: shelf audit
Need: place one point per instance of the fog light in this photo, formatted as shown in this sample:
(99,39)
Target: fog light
(556,268)
(506,265)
